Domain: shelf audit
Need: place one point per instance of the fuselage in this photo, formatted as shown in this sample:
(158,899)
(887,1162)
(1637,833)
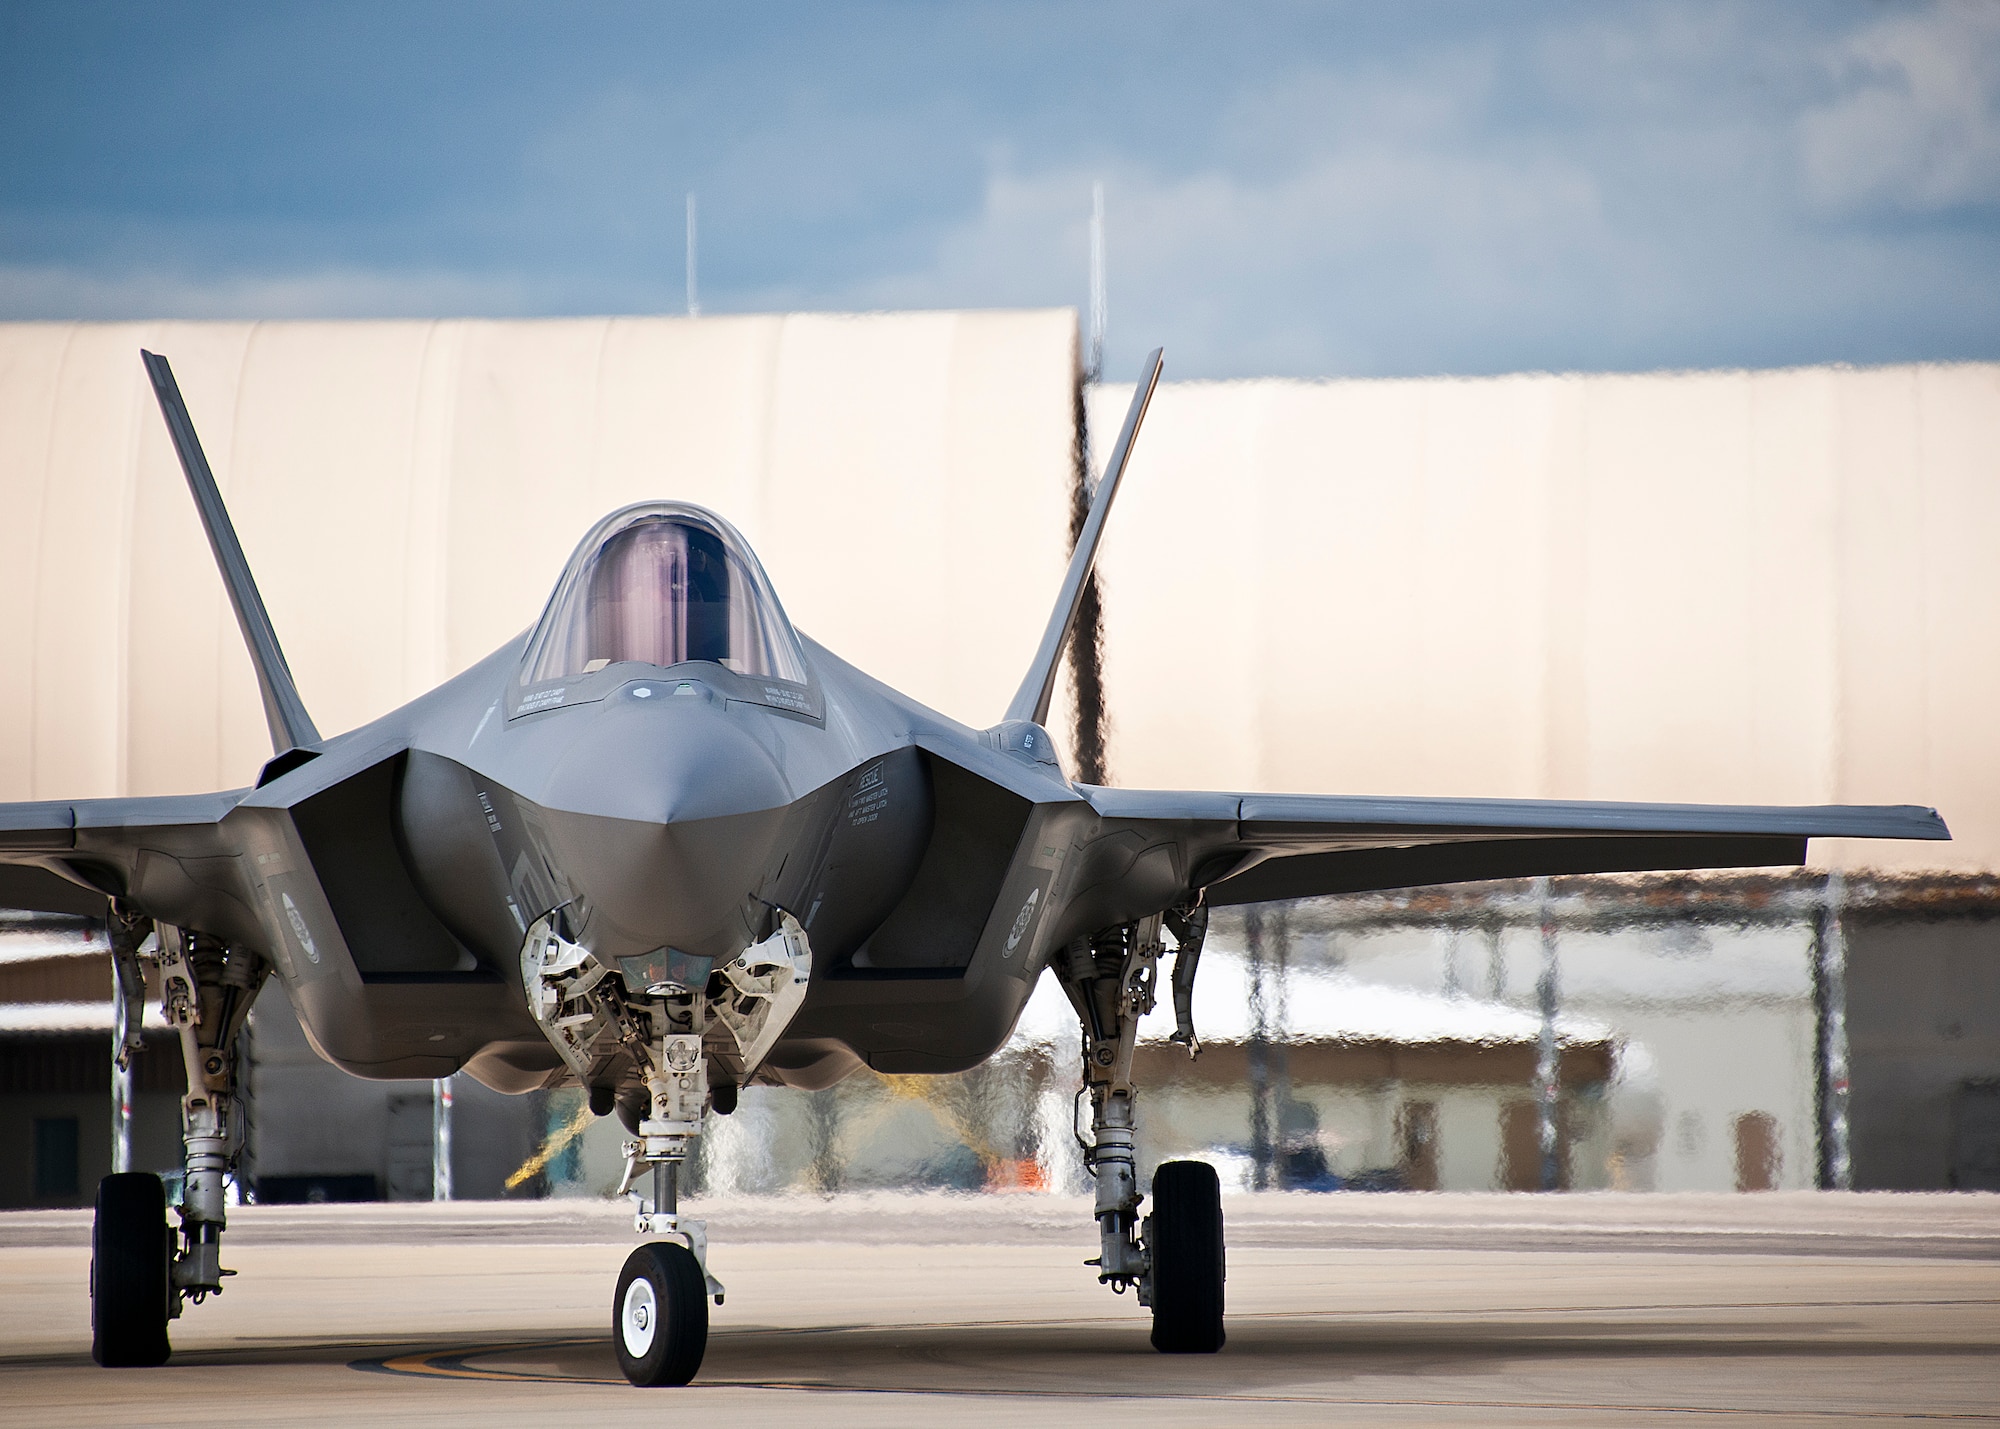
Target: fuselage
(663,813)
(658,773)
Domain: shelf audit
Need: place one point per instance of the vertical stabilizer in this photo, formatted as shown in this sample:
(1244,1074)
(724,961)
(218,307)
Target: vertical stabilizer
(291,727)
(1038,687)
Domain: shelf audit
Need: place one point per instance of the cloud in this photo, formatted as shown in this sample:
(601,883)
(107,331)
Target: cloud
(1340,223)
(1358,190)
(1300,268)
(1916,126)
(1629,191)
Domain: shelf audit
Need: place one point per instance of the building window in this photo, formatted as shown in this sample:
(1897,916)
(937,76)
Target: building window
(55,1157)
(1521,1146)
(1759,1157)
(1975,1139)
(1417,1145)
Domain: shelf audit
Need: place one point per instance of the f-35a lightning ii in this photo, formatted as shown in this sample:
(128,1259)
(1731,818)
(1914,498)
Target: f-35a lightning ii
(662,847)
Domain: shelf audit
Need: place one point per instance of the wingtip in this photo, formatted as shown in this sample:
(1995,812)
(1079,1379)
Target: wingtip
(1903,821)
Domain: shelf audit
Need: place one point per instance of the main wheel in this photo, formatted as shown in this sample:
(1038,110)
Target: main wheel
(131,1250)
(659,1317)
(1186,1242)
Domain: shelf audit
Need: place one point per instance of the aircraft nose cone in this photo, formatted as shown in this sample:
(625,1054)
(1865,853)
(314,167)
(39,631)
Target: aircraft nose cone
(667,817)
(666,752)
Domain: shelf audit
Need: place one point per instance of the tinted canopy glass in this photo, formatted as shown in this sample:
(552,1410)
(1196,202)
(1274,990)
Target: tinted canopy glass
(662,584)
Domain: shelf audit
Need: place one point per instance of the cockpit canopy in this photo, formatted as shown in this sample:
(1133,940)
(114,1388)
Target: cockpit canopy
(663,583)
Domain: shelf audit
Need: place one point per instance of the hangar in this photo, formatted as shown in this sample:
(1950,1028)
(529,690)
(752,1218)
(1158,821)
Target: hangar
(1681,586)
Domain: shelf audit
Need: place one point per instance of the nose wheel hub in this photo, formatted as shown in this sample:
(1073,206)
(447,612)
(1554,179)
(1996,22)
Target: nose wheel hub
(641,1317)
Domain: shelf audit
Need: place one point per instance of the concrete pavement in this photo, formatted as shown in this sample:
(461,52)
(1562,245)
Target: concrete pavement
(906,1309)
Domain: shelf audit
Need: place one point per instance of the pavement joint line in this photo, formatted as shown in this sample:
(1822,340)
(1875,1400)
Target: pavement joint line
(392,1362)
(450,1365)
(1664,1308)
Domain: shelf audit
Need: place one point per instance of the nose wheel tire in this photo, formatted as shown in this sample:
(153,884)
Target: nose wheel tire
(659,1316)
(130,1252)
(1188,1270)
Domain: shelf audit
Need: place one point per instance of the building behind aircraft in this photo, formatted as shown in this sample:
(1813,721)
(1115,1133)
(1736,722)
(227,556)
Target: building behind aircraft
(1746,585)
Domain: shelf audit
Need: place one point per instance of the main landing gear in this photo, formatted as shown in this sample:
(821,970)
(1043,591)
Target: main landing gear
(141,1272)
(1173,1258)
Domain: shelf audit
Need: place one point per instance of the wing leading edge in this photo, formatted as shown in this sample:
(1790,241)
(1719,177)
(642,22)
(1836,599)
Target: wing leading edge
(69,856)
(1253,848)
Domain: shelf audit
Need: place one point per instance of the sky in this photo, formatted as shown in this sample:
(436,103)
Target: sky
(1290,189)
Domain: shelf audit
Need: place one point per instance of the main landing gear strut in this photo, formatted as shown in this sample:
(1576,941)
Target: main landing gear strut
(1173,1258)
(142,1273)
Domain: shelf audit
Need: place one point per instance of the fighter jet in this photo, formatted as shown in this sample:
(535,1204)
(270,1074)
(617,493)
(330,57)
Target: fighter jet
(662,846)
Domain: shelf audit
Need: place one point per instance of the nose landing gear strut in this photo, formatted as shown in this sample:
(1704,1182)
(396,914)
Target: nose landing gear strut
(660,1310)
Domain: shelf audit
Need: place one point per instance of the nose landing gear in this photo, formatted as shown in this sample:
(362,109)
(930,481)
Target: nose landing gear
(673,1033)
(659,1314)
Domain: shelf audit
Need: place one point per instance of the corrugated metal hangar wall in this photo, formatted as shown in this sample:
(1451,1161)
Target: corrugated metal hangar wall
(1731,586)
(1710,586)
(407,493)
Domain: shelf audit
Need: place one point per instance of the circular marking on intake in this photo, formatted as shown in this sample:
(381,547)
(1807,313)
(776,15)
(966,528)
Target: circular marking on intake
(1021,922)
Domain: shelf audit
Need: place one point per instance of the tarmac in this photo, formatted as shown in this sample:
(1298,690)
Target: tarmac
(1785,1308)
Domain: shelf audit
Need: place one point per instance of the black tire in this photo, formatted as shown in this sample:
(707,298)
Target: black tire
(130,1251)
(1188,1268)
(659,1315)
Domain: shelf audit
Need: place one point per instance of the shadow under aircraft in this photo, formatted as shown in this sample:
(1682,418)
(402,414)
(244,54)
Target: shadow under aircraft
(662,847)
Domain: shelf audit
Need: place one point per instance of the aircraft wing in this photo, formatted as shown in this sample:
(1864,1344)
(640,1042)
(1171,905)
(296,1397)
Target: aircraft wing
(1253,848)
(66,856)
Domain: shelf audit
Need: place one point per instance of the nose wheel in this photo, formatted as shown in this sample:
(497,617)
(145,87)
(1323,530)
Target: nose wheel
(660,1315)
